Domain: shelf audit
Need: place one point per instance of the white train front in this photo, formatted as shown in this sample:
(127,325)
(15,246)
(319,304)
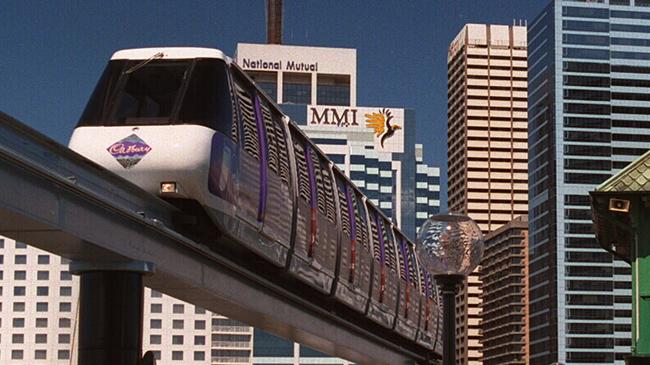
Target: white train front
(188,125)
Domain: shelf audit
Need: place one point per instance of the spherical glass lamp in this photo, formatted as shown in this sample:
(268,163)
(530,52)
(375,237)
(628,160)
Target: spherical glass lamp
(450,244)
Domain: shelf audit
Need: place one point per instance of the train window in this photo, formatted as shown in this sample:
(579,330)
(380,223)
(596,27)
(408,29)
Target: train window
(389,245)
(375,235)
(320,188)
(360,219)
(330,206)
(304,191)
(403,255)
(131,92)
(207,98)
(412,265)
(344,211)
(247,111)
(271,138)
(283,155)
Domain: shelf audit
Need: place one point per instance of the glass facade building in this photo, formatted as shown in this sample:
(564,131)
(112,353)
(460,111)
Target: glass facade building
(589,107)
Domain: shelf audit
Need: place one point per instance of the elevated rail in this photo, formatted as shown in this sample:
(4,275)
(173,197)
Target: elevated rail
(56,200)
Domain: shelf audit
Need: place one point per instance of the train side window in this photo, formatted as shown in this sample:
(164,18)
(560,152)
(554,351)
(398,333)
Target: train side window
(342,190)
(389,245)
(250,137)
(271,139)
(277,141)
(328,189)
(304,191)
(375,234)
(412,265)
(207,100)
(403,255)
(320,188)
(361,220)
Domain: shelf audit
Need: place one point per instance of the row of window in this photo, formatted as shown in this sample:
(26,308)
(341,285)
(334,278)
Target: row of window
(40,354)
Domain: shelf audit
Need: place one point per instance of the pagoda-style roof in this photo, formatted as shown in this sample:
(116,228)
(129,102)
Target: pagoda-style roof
(635,177)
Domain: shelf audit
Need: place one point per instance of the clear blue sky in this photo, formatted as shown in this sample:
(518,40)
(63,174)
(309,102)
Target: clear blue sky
(52,52)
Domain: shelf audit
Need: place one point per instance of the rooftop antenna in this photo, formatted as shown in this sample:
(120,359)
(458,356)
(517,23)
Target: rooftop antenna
(274,21)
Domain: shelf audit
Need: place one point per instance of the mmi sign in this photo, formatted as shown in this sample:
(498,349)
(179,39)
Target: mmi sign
(340,117)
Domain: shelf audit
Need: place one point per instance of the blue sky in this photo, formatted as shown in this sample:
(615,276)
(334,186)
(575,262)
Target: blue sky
(52,52)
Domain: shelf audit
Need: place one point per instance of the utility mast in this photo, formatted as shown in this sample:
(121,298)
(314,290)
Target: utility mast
(274,21)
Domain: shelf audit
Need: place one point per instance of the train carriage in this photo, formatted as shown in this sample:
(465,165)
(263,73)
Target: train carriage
(188,125)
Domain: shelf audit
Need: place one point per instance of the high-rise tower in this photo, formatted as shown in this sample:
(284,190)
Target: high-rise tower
(487,146)
(589,96)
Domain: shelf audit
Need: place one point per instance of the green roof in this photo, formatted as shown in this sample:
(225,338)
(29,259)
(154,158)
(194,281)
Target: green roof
(634,177)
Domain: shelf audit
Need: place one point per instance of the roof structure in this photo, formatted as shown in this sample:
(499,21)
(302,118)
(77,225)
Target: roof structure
(635,177)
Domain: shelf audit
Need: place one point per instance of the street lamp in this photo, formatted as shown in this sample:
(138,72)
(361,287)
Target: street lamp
(450,246)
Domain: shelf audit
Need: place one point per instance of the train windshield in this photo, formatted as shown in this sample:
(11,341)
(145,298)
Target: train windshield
(159,92)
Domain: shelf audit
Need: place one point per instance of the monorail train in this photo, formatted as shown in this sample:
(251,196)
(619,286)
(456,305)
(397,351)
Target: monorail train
(188,125)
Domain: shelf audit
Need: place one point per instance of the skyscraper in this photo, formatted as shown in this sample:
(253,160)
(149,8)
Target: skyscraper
(589,100)
(487,147)
(504,277)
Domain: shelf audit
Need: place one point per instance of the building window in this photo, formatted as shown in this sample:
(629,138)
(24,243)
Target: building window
(20,245)
(66,276)
(199,340)
(155,294)
(19,291)
(65,307)
(20,275)
(178,308)
(16,354)
(156,308)
(65,291)
(43,275)
(43,259)
(64,322)
(19,306)
(17,338)
(41,322)
(266,81)
(177,340)
(20,259)
(199,310)
(155,323)
(64,338)
(155,339)
(177,355)
(296,88)
(40,338)
(41,307)
(199,355)
(199,325)
(333,90)
(177,324)
(18,323)
(63,355)
(40,354)
(42,291)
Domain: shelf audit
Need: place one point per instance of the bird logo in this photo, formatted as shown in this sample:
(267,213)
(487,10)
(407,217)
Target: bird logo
(380,122)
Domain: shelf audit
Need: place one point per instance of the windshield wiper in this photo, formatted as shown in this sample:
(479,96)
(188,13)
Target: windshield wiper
(157,56)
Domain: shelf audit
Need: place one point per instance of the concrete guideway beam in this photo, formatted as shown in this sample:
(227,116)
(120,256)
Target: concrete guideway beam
(64,214)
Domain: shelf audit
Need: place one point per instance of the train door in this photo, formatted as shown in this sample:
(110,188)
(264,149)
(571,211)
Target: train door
(277,218)
(355,261)
(253,174)
(383,302)
(429,334)
(316,241)
(409,304)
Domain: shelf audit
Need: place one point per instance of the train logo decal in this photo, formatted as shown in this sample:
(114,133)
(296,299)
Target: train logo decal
(129,151)
(381,123)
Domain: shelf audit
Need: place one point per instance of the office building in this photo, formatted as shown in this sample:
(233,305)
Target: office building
(504,278)
(589,100)
(487,147)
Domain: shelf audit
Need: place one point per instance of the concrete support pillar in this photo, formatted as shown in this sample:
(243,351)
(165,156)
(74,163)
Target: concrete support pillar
(111,299)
